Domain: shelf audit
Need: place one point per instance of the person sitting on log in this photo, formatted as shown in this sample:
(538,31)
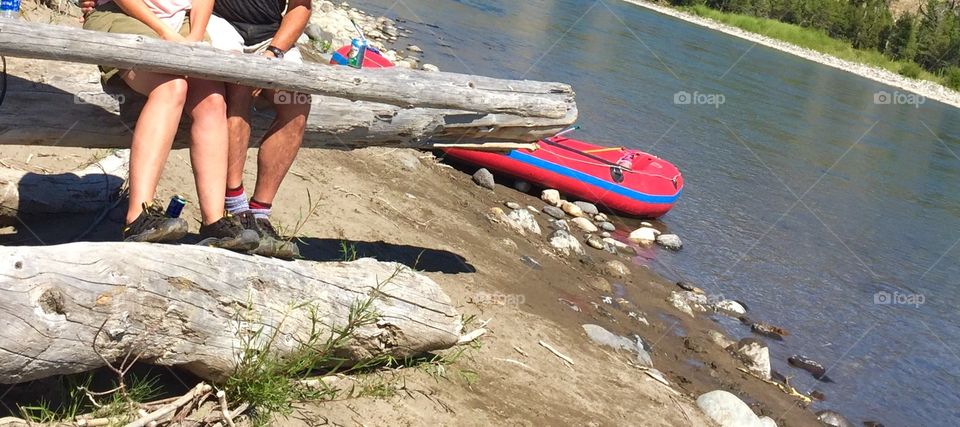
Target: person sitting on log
(167,97)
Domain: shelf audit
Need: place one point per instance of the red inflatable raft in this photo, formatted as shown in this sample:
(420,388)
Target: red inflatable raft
(583,171)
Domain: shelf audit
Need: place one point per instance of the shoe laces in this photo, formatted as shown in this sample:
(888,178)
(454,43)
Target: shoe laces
(268,229)
(153,215)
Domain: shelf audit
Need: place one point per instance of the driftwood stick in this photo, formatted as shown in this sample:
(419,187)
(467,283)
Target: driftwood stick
(556,353)
(472,336)
(199,390)
(225,408)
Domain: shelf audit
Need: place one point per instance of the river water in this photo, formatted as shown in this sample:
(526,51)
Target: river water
(827,202)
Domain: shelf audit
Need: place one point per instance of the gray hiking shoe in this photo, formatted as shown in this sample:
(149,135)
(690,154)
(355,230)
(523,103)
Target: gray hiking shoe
(227,233)
(271,244)
(154,227)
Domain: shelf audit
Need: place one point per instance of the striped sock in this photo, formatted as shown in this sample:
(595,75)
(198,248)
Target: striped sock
(260,210)
(236,200)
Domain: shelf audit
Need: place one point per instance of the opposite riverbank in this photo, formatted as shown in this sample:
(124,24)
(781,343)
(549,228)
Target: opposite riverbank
(925,88)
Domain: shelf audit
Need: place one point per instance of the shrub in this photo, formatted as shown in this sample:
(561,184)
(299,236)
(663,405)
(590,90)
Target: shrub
(910,69)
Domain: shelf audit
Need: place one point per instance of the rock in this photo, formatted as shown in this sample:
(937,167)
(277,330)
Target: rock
(594,242)
(559,224)
(644,235)
(769,331)
(727,410)
(755,354)
(608,226)
(719,339)
(390,31)
(431,68)
(484,178)
(525,220)
(730,306)
(584,224)
(571,209)
(530,262)
(670,241)
(314,32)
(616,269)
(521,186)
(407,159)
(646,224)
(325,6)
(602,336)
(833,419)
(512,205)
(600,217)
(680,303)
(587,208)
(605,234)
(565,243)
(766,422)
(414,48)
(403,64)
(551,197)
(496,212)
(507,243)
(533,209)
(554,212)
(818,395)
(600,284)
(812,366)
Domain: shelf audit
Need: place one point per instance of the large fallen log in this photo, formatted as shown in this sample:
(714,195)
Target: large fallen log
(71,109)
(194,307)
(397,86)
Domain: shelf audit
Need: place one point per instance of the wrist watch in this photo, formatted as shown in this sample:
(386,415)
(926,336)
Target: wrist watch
(276,51)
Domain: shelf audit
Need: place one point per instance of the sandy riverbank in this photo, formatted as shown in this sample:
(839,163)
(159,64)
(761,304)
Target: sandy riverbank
(924,88)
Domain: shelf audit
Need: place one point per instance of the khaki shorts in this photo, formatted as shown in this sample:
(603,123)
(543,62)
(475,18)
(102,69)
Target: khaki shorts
(111,19)
(224,36)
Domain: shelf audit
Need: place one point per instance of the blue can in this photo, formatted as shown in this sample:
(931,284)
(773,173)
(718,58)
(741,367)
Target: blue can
(358,49)
(176,206)
(9,9)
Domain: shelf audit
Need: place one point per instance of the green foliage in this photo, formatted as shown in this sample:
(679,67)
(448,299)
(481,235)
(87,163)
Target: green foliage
(902,43)
(910,69)
(951,77)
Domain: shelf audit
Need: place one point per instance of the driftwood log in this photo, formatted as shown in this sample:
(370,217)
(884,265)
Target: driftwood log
(191,306)
(87,190)
(71,109)
(397,86)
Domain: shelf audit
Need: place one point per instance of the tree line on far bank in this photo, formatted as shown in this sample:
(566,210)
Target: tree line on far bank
(929,39)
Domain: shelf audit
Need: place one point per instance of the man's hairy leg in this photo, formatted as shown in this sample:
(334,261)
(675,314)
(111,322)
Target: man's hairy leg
(280,144)
(239,103)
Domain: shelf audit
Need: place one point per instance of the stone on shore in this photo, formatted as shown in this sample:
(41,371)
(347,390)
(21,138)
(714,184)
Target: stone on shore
(719,339)
(600,217)
(584,224)
(833,419)
(587,208)
(512,205)
(571,209)
(644,235)
(616,269)
(602,336)
(608,226)
(554,212)
(687,301)
(431,68)
(484,178)
(414,48)
(551,197)
(594,242)
(560,224)
(670,241)
(525,220)
(730,307)
(755,355)
(600,284)
(565,243)
(727,410)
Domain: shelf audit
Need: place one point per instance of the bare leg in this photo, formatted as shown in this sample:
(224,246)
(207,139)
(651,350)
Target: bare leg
(239,102)
(280,144)
(153,136)
(209,143)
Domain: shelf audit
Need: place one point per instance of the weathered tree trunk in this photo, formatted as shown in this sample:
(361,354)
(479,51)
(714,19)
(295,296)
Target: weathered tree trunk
(406,88)
(71,109)
(192,307)
(87,190)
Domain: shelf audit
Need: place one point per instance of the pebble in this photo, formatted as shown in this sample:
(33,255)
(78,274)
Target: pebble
(533,209)
(552,197)
(431,68)
(565,243)
(769,331)
(530,262)
(560,224)
(600,284)
(525,220)
(608,226)
(670,241)
(833,419)
(616,269)
(587,208)
(584,224)
(571,209)
(644,235)
(755,354)
(719,339)
(600,217)
(601,336)
(605,235)
(484,178)
(646,224)
(508,243)
(414,48)
(554,212)
(812,366)
(594,242)
(521,186)
(512,205)
(680,303)
(727,410)
(730,306)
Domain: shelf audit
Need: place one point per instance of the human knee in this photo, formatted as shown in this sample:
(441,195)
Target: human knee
(213,106)
(173,90)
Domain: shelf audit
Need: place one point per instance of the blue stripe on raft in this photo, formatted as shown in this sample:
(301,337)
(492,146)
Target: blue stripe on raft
(340,59)
(592,180)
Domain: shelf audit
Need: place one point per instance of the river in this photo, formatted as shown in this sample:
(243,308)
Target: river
(827,202)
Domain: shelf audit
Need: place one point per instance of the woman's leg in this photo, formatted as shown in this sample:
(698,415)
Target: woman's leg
(208,150)
(153,136)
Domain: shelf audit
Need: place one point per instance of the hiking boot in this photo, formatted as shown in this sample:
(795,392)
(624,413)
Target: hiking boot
(227,233)
(271,244)
(154,227)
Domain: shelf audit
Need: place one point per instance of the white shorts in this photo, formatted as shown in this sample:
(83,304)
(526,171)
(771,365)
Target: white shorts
(224,36)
